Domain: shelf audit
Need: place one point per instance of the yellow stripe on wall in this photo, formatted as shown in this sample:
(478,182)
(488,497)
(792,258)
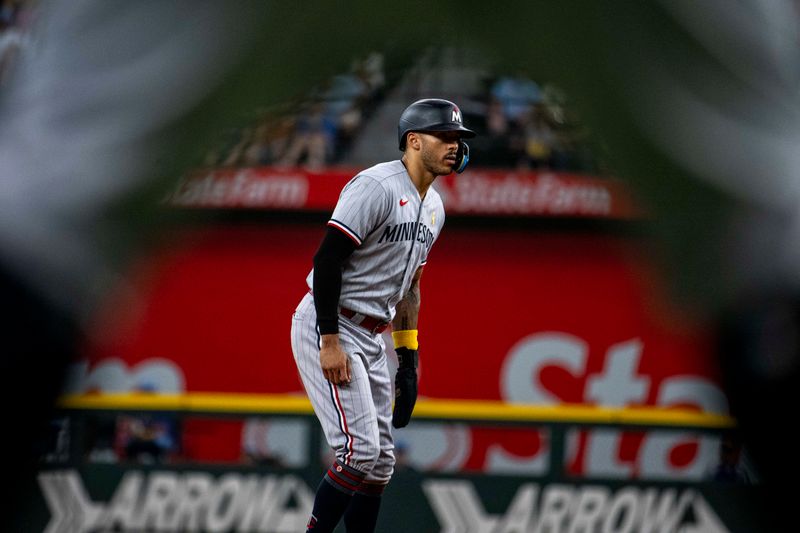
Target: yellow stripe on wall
(469,410)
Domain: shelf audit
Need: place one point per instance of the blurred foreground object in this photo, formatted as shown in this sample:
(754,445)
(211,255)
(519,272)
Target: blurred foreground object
(82,123)
(697,103)
(706,97)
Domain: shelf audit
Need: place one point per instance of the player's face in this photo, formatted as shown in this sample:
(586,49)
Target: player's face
(438,151)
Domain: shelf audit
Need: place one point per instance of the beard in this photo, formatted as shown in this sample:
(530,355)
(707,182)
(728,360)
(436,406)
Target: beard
(435,164)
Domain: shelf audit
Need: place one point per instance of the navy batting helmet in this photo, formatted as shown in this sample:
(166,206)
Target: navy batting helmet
(431,114)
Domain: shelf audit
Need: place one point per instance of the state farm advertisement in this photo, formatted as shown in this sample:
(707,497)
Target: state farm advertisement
(517,316)
(475,192)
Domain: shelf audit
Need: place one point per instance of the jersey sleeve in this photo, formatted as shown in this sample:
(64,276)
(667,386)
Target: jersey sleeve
(362,206)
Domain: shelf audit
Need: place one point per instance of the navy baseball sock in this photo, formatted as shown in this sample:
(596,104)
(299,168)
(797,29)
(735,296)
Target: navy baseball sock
(361,515)
(333,496)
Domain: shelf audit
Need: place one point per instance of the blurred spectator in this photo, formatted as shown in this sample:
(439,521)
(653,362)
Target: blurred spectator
(532,126)
(99,436)
(495,144)
(234,155)
(255,448)
(540,139)
(372,72)
(555,101)
(145,439)
(270,141)
(516,95)
(496,121)
(314,139)
(731,467)
(55,447)
(345,92)
(344,102)
(349,96)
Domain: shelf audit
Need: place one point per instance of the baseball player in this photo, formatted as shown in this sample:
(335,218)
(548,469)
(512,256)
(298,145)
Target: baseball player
(365,278)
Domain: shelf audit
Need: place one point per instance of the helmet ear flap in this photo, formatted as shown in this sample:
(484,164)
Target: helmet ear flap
(462,157)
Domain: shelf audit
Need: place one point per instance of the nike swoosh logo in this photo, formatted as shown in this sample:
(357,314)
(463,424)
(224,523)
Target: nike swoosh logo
(403,202)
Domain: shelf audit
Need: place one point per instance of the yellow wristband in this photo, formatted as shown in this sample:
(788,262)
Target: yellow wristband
(406,338)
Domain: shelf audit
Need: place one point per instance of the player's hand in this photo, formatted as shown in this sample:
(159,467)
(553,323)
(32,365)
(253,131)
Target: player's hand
(333,360)
(405,386)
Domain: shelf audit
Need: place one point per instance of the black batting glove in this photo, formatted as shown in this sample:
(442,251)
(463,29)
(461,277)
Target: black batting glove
(405,386)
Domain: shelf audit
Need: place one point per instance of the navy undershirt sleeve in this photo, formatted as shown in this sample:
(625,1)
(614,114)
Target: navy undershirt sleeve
(335,248)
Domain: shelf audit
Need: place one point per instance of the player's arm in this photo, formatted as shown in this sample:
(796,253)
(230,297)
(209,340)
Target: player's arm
(407,310)
(329,260)
(404,334)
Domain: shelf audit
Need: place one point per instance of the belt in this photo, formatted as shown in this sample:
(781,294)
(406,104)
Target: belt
(373,325)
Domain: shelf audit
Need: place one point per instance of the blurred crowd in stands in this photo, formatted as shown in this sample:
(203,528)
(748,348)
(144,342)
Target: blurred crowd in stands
(531,126)
(314,132)
(521,124)
(143,439)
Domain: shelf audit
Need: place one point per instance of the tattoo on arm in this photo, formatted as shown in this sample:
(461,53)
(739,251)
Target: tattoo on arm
(407,311)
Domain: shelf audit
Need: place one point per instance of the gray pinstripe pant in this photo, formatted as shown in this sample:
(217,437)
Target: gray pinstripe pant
(356,417)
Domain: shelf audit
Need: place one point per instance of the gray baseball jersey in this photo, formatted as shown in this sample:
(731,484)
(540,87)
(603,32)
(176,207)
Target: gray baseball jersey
(381,211)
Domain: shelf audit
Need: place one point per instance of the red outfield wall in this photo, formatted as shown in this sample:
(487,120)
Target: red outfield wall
(520,316)
(218,303)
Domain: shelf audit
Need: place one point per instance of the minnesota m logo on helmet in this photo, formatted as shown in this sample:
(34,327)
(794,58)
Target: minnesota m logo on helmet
(456,114)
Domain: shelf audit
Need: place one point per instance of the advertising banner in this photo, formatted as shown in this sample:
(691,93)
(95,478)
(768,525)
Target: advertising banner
(475,192)
(127,500)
